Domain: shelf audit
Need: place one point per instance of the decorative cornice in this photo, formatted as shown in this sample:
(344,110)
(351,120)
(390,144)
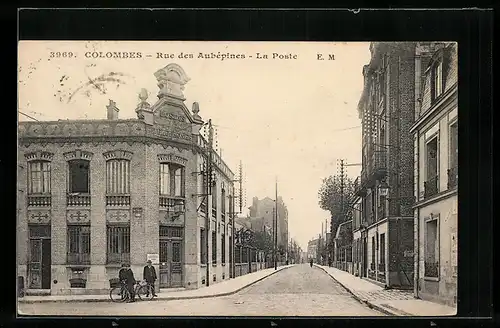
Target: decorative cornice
(39,156)
(172,158)
(118,154)
(78,154)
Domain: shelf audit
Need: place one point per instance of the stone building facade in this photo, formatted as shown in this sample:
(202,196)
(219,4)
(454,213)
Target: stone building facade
(386,109)
(436,172)
(93,194)
(263,210)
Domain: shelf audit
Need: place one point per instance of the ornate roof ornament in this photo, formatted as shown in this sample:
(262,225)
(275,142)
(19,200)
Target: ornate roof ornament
(171,80)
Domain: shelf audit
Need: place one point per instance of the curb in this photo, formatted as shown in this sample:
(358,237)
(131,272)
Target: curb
(357,298)
(167,298)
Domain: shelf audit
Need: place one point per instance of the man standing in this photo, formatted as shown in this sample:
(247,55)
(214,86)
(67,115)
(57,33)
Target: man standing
(130,281)
(150,276)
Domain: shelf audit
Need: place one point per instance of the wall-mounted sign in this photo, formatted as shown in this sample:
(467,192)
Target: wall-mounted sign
(154,258)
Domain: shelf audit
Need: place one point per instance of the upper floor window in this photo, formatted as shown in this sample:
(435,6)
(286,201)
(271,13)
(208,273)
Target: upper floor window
(79,177)
(431,184)
(454,145)
(39,177)
(437,79)
(453,156)
(118,176)
(171,179)
(223,202)
(214,200)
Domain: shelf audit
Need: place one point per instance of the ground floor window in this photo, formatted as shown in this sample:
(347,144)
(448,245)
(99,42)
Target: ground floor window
(214,247)
(431,240)
(118,244)
(382,252)
(78,244)
(203,247)
(223,248)
(372,265)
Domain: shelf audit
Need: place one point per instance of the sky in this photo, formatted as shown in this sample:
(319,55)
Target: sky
(291,118)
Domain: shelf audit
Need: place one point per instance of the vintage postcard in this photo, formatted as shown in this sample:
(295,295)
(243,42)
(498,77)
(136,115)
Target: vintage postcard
(237,178)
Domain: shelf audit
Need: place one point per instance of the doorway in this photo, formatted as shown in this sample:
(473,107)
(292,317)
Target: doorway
(170,257)
(365,258)
(39,266)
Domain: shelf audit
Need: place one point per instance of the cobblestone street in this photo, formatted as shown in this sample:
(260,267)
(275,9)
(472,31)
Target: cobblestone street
(297,291)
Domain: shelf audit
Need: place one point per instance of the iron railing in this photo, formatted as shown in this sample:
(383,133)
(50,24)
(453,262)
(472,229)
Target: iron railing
(452,177)
(40,200)
(78,258)
(431,186)
(379,160)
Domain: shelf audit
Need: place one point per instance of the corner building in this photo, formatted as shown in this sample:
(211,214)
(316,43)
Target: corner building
(93,194)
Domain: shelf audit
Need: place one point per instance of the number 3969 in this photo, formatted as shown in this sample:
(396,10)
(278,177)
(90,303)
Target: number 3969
(63,54)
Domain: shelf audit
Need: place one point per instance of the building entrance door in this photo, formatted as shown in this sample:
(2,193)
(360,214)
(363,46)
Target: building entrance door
(365,258)
(39,266)
(170,257)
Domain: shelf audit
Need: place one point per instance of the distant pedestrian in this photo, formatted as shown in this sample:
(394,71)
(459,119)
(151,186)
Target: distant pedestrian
(311,262)
(149,275)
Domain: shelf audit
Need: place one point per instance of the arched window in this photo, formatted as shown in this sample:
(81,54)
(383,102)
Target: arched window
(118,176)
(79,176)
(172,179)
(39,177)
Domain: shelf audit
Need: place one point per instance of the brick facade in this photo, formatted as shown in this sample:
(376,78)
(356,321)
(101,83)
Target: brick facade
(155,137)
(387,111)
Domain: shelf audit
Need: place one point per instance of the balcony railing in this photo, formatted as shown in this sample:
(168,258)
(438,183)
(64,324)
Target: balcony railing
(39,200)
(117,258)
(380,161)
(169,201)
(78,258)
(117,200)
(78,200)
(223,216)
(431,187)
(452,177)
(432,269)
(214,212)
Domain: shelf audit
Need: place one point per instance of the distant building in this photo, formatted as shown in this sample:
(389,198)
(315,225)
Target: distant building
(436,172)
(262,210)
(312,250)
(93,194)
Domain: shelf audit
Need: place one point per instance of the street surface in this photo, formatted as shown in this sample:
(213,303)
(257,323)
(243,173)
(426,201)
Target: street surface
(297,291)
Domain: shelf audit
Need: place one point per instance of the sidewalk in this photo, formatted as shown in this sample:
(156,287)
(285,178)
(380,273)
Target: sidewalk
(224,288)
(388,301)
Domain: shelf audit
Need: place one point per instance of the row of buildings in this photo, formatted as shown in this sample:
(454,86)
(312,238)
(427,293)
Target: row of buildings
(404,212)
(93,194)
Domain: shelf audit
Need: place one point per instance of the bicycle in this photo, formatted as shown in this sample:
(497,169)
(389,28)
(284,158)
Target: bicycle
(143,290)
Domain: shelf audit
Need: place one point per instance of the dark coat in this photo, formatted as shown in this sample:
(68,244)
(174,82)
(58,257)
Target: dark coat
(122,274)
(149,274)
(129,276)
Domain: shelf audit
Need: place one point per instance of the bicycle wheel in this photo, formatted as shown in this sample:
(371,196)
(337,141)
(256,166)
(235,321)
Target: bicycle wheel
(118,294)
(145,292)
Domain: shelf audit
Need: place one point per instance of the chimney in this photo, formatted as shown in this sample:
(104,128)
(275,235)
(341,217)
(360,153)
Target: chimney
(112,110)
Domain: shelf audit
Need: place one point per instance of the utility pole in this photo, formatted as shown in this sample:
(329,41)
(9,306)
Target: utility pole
(233,216)
(209,179)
